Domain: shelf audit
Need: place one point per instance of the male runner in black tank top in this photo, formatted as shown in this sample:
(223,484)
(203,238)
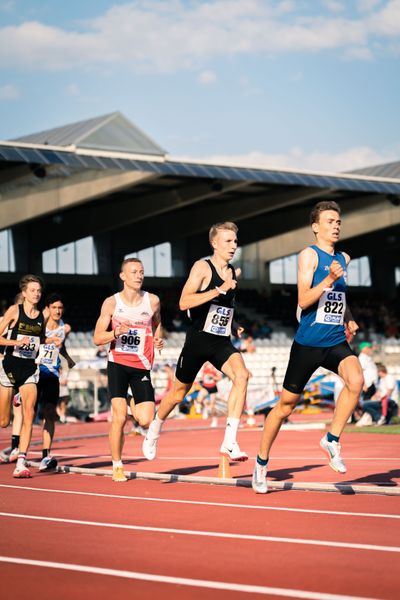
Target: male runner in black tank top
(208,296)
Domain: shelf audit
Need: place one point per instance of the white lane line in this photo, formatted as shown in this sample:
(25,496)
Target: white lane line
(140,456)
(202,503)
(212,534)
(199,583)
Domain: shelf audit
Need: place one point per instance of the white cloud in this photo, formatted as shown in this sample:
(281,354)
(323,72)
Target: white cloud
(167,36)
(296,158)
(333,5)
(9,92)
(207,77)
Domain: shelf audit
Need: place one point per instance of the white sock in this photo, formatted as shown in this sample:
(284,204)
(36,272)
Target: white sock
(21,461)
(156,425)
(232,426)
(117,463)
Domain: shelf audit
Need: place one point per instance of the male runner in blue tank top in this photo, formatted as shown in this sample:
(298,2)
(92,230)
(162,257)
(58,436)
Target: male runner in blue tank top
(320,340)
(209,296)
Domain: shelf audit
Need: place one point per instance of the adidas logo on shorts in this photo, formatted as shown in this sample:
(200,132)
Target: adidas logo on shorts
(145,378)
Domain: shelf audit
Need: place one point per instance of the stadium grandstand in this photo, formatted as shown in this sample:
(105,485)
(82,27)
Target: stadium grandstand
(76,200)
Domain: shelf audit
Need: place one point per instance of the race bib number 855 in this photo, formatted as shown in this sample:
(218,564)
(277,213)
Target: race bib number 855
(331,308)
(219,320)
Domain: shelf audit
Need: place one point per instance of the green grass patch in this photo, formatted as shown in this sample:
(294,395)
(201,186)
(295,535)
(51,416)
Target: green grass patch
(388,429)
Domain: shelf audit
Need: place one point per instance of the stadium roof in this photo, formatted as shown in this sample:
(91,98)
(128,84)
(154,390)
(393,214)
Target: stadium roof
(391,170)
(108,132)
(104,176)
(81,158)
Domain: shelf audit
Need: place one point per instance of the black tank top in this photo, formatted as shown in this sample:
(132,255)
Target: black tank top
(25,326)
(198,314)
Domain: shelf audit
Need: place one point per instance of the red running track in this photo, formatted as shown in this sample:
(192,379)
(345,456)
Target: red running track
(91,538)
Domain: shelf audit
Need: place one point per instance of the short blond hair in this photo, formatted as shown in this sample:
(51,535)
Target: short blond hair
(126,261)
(227,225)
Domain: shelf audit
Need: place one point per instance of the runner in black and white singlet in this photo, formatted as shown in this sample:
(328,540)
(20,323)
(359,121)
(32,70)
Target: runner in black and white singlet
(25,326)
(135,321)
(320,340)
(209,297)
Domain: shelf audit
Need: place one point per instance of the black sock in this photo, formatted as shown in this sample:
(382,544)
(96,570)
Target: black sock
(14,441)
(332,438)
(262,461)
(45,453)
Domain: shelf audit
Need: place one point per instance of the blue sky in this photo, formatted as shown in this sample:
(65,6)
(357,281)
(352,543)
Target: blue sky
(309,84)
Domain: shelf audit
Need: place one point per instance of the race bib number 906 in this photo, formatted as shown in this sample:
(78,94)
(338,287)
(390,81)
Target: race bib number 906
(131,342)
(219,320)
(331,308)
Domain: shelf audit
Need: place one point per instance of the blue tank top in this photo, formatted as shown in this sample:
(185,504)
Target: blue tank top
(322,324)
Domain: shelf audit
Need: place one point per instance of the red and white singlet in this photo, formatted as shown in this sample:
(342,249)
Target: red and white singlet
(209,379)
(135,348)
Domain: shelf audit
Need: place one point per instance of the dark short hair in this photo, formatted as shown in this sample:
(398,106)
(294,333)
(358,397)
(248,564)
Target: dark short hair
(27,279)
(54,297)
(322,207)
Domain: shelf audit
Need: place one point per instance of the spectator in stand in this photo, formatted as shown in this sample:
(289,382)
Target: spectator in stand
(247,344)
(370,370)
(177,323)
(101,352)
(382,407)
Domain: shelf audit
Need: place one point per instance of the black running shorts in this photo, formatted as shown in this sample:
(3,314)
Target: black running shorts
(304,360)
(48,390)
(201,347)
(19,371)
(121,377)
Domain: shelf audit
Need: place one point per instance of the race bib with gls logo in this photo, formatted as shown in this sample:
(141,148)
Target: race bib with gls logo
(219,320)
(131,342)
(331,308)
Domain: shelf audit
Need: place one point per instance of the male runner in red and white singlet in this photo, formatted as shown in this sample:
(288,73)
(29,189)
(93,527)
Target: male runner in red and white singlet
(134,316)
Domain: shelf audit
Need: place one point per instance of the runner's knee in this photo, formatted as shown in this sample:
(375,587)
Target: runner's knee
(355,384)
(284,410)
(4,422)
(241,377)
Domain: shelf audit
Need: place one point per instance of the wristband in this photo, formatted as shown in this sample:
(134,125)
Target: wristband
(220,291)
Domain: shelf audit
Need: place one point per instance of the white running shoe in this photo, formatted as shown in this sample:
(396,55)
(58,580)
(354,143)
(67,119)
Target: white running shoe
(149,446)
(365,420)
(332,449)
(47,463)
(259,479)
(214,422)
(21,472)
(5,456)
(13,455)
(233,452)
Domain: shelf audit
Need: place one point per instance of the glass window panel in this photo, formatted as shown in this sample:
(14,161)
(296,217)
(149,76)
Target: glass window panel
(290,268)
(85,256)
(66,258)
(49,261)
(147,258)
(163,260)
(4,251)
(276,271)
